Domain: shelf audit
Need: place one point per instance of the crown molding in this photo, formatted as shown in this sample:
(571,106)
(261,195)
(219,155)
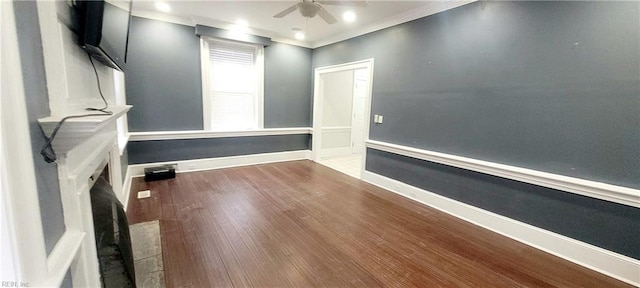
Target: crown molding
(426,10)
(423,11)
(193,21)
(163,17)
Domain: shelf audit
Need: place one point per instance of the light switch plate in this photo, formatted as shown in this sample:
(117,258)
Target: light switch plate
(380,119)
(375,118)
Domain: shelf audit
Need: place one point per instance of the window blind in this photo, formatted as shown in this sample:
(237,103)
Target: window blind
(233,82)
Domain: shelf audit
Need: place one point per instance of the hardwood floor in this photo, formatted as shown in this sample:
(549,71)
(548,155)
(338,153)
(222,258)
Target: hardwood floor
(300,224)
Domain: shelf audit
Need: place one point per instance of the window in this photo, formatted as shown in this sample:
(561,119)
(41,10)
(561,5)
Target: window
(232,75)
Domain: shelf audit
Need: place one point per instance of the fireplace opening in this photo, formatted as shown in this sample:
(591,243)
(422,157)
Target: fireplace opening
(113,242)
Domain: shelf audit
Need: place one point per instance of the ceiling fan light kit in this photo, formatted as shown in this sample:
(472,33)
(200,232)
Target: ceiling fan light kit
(308,9)
(311,8)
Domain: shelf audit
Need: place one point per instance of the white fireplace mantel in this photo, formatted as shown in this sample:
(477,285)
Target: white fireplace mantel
(83,146)
(75,131)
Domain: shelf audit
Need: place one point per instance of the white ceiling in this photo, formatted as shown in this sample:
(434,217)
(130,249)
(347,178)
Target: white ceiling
(259,15)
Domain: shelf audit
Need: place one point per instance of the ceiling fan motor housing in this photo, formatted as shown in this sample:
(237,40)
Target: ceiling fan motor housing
(309,9)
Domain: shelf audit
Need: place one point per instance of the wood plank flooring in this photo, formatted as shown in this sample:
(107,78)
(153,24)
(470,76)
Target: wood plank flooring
(300,224)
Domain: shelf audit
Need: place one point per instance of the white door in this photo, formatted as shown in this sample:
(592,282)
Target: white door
(361,84)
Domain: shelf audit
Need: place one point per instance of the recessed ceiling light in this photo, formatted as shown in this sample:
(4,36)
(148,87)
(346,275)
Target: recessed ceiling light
(163,7)
(349,16)
(242,22)
(299,35)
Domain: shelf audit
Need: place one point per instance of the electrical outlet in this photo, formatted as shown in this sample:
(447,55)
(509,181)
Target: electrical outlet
(144,194)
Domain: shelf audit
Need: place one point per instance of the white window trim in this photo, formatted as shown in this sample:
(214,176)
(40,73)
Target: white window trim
(206,93)
(120,98)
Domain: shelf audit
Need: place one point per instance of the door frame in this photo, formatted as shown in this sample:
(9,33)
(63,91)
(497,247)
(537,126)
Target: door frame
(318,105)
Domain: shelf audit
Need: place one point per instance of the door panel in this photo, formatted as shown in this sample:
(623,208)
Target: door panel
(361,86)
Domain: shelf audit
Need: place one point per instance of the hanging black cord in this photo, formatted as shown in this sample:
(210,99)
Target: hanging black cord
(47,150)
(95,71)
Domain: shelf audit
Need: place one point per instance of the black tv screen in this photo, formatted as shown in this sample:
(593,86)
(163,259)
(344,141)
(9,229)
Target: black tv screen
(104,30)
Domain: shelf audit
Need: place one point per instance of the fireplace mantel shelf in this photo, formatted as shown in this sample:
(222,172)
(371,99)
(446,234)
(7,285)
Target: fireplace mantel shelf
(75,131)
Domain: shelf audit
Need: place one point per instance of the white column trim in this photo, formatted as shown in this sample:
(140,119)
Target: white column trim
(126,189)
(59,260)
(206,95)
(202,134)
(598,190)
(23,246)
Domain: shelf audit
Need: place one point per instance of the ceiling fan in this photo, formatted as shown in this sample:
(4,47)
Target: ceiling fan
(311,8)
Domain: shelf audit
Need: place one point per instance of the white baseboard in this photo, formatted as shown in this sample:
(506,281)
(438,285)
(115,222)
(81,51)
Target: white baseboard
(126,189)
(606,262)
(137,170)
(334,152)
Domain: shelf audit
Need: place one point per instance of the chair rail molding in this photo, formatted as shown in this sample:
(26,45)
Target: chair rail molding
(599,190)
(203,134)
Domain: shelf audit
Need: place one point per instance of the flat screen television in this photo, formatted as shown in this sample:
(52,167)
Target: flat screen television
(103,30)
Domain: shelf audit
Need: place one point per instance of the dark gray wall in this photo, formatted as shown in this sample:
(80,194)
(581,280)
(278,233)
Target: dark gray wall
(164,86)
(173,150)
(37,107)
(66,281)
(163,80)
(505,82)
(287,86)
(605,224)
(164,83)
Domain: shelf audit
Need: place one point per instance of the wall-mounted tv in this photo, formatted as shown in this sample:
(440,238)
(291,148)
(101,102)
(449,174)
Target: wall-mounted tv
(103,30)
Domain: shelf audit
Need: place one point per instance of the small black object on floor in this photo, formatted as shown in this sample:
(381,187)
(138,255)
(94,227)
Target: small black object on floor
(159,173)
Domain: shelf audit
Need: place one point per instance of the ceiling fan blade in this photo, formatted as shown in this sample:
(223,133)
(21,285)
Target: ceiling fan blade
(286,12)
(326,16)
(354,3)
